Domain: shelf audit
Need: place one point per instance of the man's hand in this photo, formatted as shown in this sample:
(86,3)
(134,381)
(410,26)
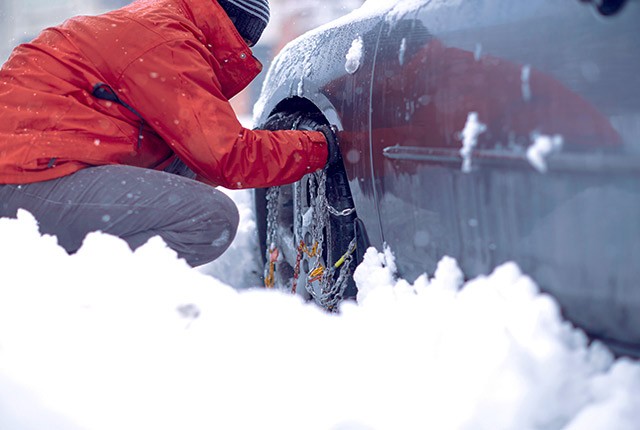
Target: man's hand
(329,132)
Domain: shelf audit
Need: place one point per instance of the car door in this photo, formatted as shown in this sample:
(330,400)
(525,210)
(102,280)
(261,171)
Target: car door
(511,131)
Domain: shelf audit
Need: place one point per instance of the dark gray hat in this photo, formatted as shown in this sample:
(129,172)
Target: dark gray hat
(249,16)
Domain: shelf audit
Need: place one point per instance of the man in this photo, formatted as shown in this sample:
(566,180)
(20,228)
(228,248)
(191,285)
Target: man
(94,113)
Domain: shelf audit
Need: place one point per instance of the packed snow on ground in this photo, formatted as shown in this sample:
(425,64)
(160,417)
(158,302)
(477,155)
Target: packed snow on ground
(114,339)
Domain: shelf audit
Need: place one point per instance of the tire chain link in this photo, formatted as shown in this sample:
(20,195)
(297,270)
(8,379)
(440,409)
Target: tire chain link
(272,196)
(329,293)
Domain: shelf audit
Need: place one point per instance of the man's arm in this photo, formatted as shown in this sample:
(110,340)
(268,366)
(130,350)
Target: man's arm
(175,89)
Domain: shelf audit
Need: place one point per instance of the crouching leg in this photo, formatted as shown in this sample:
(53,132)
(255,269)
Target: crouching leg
(198,221)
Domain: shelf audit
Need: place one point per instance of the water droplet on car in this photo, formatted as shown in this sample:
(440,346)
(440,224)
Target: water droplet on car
(424,100)
(353,156)
(478,52)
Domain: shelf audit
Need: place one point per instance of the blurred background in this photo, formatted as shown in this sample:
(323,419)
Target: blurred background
(22,20)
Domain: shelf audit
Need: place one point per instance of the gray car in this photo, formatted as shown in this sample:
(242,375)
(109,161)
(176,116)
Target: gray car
(486,130)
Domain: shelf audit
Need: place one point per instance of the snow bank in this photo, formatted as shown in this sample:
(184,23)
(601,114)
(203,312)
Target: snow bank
(114,339)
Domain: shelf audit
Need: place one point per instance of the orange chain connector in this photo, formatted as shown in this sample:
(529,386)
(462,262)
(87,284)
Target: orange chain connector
(302,248)
(316,274)
(270,279)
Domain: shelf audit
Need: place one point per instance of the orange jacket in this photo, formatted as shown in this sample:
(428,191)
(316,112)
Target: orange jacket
(175,63)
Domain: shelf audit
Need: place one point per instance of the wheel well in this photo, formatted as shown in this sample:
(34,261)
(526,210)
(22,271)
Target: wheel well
(299,105)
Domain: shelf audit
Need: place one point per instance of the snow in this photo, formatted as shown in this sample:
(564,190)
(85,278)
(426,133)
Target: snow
(109,338)
(541,148)
(307,217)
(293,62)
(469,136)
(525,76)
(403,50)
(371,8)
(354,56)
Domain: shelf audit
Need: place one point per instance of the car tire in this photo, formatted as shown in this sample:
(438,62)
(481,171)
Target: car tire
(337,236)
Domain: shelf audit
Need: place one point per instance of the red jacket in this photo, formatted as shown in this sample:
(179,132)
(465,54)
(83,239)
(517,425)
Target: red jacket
(175,63)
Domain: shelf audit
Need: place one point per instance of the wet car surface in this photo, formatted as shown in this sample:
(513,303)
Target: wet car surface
(488,131)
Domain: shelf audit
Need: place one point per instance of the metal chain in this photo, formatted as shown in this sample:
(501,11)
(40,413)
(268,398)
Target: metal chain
(344,212)
(330,293)
(319,222)
(319,283)
(320,225)
(272,197)
(334,291)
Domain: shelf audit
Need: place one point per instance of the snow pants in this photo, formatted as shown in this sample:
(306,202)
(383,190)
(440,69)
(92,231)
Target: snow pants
(194,219)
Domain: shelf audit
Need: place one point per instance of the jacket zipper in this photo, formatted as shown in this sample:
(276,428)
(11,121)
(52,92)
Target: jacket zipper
(105,92)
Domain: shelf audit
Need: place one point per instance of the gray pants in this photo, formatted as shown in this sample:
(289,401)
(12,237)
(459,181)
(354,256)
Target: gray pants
(196,220)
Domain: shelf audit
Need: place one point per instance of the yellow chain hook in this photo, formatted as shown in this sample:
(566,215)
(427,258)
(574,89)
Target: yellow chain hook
(269,280)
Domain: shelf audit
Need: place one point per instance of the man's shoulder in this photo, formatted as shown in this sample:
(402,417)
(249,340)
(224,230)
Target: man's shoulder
(126,34)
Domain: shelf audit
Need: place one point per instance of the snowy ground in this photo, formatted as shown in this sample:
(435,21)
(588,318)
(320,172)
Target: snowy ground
(110,339)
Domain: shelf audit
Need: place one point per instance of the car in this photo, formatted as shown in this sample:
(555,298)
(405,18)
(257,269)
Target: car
(485,130)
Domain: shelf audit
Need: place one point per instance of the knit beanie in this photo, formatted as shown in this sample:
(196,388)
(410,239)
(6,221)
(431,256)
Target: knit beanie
(249,16)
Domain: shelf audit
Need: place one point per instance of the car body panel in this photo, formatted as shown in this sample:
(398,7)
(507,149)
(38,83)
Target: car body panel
(314,69)
(528,70)
(543,68)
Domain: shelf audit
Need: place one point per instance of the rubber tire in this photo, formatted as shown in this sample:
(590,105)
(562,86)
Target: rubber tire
(337,192)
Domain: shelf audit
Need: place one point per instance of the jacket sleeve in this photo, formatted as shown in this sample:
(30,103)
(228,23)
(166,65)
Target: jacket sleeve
(175,88)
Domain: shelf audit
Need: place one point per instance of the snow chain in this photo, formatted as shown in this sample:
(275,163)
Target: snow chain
(273,253)
(320,280)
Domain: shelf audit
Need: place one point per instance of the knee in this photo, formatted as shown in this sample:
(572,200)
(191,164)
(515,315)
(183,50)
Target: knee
(225,225)
(219,229)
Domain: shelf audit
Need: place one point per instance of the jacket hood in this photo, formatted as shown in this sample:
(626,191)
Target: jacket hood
(214,23)
(226,43)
